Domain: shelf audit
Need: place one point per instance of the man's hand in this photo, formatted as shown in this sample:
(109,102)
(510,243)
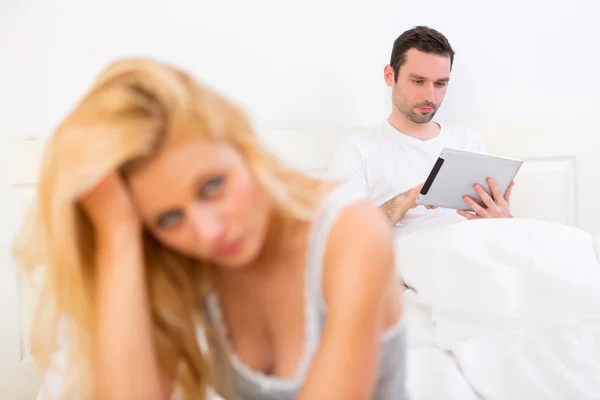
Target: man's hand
(498,207)
(398,206)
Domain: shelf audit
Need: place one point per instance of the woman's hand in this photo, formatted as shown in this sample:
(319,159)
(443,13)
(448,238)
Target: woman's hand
(109,207)
(125,353)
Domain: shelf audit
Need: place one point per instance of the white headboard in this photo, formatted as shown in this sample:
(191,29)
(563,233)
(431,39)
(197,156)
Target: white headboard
(307,150)
(558,182)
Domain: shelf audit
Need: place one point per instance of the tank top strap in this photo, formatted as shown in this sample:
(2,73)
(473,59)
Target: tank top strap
(332,206)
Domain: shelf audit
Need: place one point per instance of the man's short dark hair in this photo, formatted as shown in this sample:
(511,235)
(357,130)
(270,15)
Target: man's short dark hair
(422,38)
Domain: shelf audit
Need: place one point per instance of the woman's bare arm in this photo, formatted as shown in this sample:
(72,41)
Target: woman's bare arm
(125,358)
(358,274)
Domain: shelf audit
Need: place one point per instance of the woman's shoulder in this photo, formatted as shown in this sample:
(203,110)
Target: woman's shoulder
(359,227)
(345,216)
(338,198)
(359,238)
(350,206)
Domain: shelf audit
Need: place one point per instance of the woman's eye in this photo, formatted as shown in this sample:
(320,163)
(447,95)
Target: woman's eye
(169,220)
(211,188)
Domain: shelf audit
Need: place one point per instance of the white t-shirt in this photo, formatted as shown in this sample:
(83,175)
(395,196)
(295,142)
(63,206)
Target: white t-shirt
(381,162)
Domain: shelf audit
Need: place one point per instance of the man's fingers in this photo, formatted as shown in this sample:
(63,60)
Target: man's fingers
(495,190)
(468,215)
(489,202)
(414,192)
(417,189)
(411,200)
(476,207)
(508,191)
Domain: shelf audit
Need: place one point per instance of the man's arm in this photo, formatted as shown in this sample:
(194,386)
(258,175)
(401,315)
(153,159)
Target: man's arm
(395,208)
(349,164)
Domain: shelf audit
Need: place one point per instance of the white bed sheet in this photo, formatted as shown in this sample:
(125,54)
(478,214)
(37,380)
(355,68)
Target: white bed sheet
(511,306)
(432,373)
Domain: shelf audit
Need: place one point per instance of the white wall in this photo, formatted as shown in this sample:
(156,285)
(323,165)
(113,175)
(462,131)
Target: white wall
(311,66)
(303,63)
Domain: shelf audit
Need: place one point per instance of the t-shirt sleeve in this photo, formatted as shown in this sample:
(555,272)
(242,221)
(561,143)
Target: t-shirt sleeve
(482,144)
(476,142)
(348,165)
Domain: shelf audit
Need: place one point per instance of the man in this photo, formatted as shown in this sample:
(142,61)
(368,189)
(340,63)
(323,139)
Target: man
(390,161)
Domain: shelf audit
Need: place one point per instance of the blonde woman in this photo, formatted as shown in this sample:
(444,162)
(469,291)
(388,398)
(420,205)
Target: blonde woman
(181,257)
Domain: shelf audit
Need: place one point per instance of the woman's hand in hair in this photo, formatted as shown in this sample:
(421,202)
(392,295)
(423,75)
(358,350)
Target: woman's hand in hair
(126,362)
(109,207)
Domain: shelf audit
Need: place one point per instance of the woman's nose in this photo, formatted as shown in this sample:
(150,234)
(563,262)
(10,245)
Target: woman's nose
(209,226)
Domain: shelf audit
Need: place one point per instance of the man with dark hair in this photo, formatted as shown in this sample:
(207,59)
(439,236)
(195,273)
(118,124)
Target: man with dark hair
(390,161)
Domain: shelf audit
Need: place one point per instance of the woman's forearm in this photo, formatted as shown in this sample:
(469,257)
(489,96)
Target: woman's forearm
(126,365)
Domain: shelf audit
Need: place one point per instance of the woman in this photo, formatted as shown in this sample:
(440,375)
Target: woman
(182,257)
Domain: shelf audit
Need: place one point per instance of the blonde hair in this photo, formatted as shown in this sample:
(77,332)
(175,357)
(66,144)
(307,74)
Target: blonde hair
(133,108)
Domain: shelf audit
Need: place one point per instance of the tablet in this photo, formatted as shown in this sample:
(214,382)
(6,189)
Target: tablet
(456,172)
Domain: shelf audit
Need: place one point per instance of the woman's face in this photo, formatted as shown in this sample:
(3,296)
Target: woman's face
(200,198)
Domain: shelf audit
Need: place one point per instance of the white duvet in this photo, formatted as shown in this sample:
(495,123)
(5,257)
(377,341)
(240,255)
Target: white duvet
(502,310)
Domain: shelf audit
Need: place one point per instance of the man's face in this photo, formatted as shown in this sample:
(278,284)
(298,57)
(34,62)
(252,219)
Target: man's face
(421,85)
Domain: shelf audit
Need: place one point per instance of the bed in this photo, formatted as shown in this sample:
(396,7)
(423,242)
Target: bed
(512,320)
(502,309)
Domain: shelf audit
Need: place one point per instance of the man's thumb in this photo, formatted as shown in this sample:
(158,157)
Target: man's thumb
(415,191)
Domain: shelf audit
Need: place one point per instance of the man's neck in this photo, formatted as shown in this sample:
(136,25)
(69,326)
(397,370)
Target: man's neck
(422,132)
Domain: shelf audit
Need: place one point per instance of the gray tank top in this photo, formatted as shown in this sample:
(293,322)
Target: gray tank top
(254,385)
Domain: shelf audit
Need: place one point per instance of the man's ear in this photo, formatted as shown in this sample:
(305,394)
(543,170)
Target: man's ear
(388,75)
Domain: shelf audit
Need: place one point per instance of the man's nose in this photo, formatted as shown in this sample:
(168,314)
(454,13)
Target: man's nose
(429,93)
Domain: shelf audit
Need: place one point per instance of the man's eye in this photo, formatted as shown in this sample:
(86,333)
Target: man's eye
(418,82)
(441,84)
(212,187)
